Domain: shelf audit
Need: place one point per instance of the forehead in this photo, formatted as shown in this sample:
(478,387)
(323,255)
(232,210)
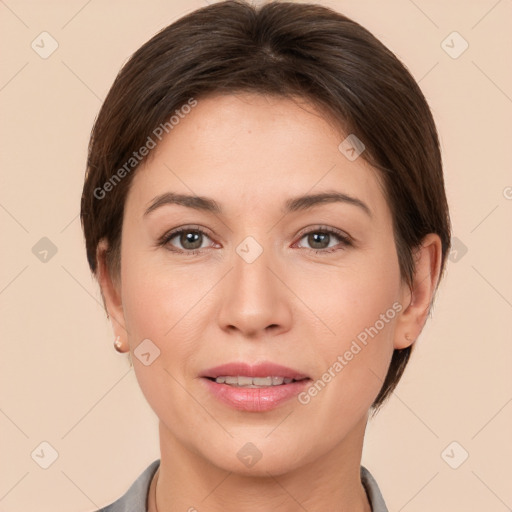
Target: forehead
(250,149)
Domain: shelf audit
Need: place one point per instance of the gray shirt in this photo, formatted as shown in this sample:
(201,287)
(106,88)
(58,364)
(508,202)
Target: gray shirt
(135,498)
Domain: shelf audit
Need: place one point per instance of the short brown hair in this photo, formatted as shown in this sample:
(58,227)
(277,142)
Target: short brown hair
(289,50)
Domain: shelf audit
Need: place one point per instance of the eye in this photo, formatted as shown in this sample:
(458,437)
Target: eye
(320,240)
(189,238)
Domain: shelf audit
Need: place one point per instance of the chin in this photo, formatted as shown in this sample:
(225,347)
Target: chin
(256,459)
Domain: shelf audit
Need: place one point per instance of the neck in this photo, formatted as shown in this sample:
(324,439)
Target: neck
(187,481)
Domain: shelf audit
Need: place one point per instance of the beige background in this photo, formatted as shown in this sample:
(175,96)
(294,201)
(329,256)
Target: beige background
(61,380)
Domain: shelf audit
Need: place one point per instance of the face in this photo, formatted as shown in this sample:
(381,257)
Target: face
(312,286)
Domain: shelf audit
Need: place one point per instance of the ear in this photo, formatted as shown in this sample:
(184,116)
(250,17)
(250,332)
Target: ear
(111,293)
(418,298)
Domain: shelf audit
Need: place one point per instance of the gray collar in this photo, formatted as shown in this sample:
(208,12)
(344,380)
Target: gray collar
(372,491)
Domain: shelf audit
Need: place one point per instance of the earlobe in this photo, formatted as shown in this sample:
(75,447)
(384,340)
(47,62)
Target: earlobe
(426,276)
(110,290)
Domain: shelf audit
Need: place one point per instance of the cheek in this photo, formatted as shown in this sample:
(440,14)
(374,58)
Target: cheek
(157,300)
(346,298)
(164,309)
(355,310)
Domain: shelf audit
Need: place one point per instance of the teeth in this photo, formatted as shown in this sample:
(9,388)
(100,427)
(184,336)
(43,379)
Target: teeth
(252,382)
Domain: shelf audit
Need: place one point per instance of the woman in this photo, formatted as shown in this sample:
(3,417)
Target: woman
(264,210)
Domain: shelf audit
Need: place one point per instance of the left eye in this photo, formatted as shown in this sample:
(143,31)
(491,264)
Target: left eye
(321,239)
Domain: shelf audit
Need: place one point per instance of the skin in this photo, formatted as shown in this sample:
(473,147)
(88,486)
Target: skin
(291,305)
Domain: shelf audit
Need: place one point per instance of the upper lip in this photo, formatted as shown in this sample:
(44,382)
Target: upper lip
(265,369)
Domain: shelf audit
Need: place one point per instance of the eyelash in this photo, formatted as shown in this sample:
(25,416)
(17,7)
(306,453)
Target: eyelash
(164,240)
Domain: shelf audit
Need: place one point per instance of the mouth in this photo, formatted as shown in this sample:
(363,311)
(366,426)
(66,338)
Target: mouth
(266,373)
(254,388)
(243,381)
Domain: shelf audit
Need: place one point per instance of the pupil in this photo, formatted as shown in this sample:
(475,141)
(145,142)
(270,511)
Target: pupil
(314,237)
(191,237)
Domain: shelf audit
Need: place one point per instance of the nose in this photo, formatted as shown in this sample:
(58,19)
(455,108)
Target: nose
(255,299)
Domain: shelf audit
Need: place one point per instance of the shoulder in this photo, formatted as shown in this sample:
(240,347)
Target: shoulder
(135,498)
(373,492)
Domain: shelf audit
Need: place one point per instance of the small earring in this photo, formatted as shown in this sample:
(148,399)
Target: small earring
(118,344)
(408,338)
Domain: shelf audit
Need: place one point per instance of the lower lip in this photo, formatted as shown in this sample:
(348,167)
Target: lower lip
(255,399)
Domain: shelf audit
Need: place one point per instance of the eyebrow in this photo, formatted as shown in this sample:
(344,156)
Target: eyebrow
(195,202)
(294,204)
(309,201)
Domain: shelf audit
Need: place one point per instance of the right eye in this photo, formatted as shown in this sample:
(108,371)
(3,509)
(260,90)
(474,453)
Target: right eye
(191,240)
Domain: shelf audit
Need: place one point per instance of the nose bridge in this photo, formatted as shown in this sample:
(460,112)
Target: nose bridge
(254,298)
(251,272)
